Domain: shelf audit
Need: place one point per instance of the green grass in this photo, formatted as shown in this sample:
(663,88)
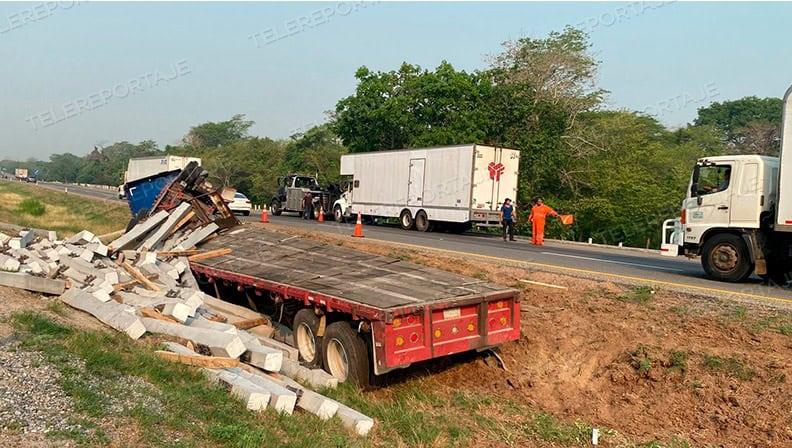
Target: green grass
(678,360)
(641,295)
(731,366)
(32,207)
(640,359)
(181,404)
(29,205)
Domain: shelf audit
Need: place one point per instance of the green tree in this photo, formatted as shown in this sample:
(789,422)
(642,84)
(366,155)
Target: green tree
(318,151)
(216,134)
(747,125)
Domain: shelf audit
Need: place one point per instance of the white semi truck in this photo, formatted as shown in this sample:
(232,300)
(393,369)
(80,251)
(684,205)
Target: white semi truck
(737,215)
(453,187)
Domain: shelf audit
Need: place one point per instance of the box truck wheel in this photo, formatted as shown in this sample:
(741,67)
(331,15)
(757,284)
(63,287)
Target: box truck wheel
(725,257)
(345,354)
(422,223)
(275,207)
(406,220)
(306,339)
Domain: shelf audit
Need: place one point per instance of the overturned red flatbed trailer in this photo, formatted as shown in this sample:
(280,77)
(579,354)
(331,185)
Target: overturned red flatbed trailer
(360,313)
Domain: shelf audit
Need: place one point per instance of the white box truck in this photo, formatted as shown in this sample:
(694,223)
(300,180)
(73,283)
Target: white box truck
(737,215)
(141,167)
(453,187)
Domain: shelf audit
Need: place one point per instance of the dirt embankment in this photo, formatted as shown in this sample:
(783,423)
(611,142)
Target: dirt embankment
(645,364)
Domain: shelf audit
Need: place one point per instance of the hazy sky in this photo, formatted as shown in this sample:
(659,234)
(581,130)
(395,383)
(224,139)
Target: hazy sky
(77,74)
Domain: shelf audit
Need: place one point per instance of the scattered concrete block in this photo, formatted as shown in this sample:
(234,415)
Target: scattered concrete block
(87,255)
(307,400)
(258,355)
(130,238)
(52,255)
(177,310)
(313,377)
(112,314)
(290,352)
(74,274)
(15,243)
(220,344)
(281,399)
(52,235)
(354,421)
(146,258)
(200,322)
(4,239)
(197,236)
(9,264)
(165,229)
(98,248)
(101,295)
(130,256)
(81,238)
(168,269)
(254,397)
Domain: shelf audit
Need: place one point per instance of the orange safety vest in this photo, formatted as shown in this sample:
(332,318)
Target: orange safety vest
(539,212)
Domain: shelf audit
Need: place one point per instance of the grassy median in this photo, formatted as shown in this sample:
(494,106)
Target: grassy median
(28,205)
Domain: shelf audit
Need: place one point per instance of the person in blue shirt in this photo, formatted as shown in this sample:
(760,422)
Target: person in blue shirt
(508,216)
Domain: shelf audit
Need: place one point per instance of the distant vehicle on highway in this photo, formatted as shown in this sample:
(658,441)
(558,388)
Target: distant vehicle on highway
(291,191)
(449,187)
(240,204)
(21,174)
(121,193)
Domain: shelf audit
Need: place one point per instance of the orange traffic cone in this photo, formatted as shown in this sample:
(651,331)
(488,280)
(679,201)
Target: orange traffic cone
(358,233)
(321,215)
(264,215)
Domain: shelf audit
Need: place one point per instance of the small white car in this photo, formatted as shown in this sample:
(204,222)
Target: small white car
(240,204)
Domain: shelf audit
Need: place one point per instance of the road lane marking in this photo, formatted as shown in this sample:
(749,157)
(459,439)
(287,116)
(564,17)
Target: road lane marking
(532,282)
(614,261)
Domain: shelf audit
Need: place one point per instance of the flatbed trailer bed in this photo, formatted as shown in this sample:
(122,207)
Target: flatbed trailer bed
(404,311)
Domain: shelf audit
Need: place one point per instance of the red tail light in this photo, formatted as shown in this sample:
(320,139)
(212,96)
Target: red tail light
(683,217)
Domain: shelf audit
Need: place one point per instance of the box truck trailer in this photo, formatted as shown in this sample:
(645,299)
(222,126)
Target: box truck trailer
(141,167)
(737,214)
(449,187)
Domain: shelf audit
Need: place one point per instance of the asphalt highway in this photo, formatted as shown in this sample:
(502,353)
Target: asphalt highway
(625,264)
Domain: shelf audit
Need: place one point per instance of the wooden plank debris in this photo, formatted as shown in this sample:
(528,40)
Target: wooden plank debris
(212,362)
(140,277)
(210,254)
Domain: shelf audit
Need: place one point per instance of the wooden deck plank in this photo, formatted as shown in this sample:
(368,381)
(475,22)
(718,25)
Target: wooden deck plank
(380,281)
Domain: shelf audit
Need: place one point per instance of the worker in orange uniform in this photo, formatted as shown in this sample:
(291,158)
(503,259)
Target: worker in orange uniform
(539,213)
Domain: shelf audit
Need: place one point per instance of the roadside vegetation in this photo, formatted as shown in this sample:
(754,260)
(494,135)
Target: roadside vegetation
(110,378)
(32,206)
(620,172)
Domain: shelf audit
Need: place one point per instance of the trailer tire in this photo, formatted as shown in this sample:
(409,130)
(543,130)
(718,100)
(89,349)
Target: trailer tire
(275,207)
(406,220)
(345,354)
(422,223)
(305,333)
(725,257)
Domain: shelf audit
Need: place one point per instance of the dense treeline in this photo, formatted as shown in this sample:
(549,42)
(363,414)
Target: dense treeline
(620,172)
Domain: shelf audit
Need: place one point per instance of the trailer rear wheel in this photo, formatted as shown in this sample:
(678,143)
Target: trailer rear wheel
(422,223)
(306,339)
(406,220)
(725,257)
(345,354)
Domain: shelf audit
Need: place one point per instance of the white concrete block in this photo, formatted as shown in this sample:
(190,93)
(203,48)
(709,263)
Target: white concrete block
(220,344)
(177,310)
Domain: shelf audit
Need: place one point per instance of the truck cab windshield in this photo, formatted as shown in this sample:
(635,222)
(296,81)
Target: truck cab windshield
(305,182)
